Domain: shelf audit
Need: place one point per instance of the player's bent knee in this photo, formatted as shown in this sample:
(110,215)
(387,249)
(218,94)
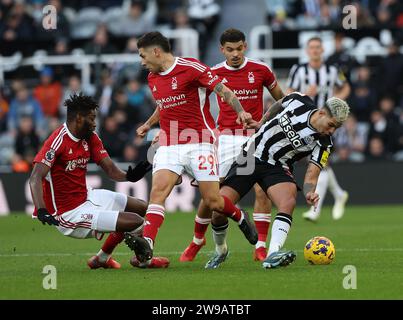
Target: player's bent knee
(213,203)
(128,221)
(218,219)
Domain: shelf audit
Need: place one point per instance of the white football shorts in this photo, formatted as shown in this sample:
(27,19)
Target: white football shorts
(229,148)
(197,159)
(99,213)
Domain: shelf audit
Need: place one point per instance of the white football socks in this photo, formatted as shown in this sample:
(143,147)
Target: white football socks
(220,237)
(279,231)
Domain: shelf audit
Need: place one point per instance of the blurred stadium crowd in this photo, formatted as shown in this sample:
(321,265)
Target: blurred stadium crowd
(31,102)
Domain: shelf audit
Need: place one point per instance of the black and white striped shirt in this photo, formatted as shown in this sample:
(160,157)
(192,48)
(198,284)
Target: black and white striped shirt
(289,136)
(325,78)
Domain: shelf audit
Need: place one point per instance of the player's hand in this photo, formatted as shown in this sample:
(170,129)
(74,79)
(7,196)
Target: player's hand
(244,118)
(253,124)
(136,173)
(312,198)
(45,217)
(142,130)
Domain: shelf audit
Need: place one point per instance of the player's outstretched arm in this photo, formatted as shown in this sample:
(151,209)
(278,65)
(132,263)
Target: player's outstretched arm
(231,99)
(133,174)
(35,184)
(310,181)
(274,110)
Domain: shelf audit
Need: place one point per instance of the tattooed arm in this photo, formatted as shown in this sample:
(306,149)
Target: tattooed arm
(310,181)
(274,110)
(231,99)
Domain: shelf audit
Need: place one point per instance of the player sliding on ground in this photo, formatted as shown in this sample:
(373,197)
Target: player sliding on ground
(60,195)
(181,88)
(293,128)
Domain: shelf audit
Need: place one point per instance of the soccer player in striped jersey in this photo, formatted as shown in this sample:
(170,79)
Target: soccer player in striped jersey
(320,80)
(293,128)
(181,88)
(247,78)
(60,194)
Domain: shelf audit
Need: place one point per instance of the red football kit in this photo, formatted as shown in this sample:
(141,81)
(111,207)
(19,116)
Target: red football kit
(65,186)
(182,96)
(247,82)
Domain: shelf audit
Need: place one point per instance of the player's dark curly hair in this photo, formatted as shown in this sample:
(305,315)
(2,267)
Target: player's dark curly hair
(232,35)
(79,104)
(154,38)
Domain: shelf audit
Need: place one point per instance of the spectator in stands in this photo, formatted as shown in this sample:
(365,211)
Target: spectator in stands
(389,13)
(48,93)
(204,16)
(166,10)
(27,141)
(130,154)
(364,16)
(25,105)
(376,150)
(350,141)
(124,71)
(362,101)
(391,71)
(388,109)
(383,129)
(139,100)
(5,7)
(18,25)
(114,139)
(3,113)
(100,44)
(104,93)
(73,86)
(103,4)
(61,48)
(341,57)
(180,21)
(139,20)
(125,115)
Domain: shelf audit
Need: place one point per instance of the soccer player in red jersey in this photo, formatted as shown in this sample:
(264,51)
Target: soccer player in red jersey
(60,194)
(247,78)
(181,87)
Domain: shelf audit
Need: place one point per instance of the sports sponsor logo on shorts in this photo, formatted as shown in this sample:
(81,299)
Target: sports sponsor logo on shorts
(87,216)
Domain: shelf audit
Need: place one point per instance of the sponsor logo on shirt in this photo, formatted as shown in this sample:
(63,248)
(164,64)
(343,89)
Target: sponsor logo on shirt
(80,163)
(246,94)
(154,88)
(171,101)
(291,134)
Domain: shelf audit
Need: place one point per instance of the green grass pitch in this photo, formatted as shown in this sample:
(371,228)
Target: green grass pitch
(368,238)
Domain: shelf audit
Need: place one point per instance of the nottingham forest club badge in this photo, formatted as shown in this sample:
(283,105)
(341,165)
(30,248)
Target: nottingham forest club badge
(50,155)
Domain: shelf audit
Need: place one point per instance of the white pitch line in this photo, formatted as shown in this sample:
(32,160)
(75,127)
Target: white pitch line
(179,252)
